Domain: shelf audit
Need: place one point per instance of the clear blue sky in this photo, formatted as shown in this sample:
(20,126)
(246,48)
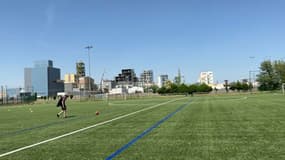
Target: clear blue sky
(162,35)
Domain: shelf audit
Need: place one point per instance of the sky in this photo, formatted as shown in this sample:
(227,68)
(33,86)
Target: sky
(228,37)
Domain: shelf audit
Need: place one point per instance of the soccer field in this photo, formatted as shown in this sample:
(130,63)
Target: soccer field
(236,127)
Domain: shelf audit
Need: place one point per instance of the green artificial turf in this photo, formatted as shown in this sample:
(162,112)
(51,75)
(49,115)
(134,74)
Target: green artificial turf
(215,127)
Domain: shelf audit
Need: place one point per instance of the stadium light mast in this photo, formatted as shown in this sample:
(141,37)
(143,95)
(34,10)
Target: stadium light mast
(249,76)
(88,50)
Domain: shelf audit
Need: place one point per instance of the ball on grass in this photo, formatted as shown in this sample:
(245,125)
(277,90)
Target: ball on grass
(97,113)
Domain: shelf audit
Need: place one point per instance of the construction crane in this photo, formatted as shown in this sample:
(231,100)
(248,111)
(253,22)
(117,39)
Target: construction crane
(101,83)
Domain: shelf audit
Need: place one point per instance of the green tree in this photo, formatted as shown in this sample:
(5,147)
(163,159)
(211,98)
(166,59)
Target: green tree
(168,84)
(154,88)
(279,67)
(204,88)
(268,78)
(238,86)
(233,86)
(173,88)
(183,88)
(245,86)
(192,88)
(161,90)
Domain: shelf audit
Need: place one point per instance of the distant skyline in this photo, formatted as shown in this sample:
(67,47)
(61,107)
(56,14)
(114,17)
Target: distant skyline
(221,36)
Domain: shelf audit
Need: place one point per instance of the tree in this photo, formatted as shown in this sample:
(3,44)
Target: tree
(168,84)
(268,77)
(204,88)
(238,86)
(233,86)
(192,88)
(279,67)
(173,88)
(161,90)
(227,85)
(154,88)
(183,88)
(244,86)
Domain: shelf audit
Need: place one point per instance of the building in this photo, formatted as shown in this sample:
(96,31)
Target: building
(178,78)
(70,78)
(147,78)
(107,85)
(3,93)
(207,78)
(127,90)
(70,82)
(127,77)
(219,86)
(43,79)
(162,79)
(126,83)
(83,83)
(28,80)
(80,69)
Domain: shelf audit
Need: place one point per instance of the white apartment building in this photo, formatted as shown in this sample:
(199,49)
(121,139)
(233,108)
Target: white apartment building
(207,78)
(147,78)
(162,79)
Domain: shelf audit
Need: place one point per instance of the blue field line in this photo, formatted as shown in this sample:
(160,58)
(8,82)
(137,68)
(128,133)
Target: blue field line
(113,155)
(8,134)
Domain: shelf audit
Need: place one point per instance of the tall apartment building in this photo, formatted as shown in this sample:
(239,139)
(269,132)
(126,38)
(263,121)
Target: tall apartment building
(127,77)
(207,78)
(43,79)
(147,78)
(162,79)
(178,78)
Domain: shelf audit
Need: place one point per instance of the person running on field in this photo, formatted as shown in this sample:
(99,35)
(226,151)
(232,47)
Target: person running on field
(61,103)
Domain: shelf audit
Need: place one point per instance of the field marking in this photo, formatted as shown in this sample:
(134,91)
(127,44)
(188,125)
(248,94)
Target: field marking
(145,132)
(86,128)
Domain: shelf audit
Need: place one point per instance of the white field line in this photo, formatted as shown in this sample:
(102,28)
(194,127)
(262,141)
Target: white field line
(86,128)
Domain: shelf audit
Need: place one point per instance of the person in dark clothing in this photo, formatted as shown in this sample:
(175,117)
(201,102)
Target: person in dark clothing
(61,103)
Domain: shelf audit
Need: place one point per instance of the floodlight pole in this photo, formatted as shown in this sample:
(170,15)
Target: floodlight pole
(252,77)
(249,77)
(88,49)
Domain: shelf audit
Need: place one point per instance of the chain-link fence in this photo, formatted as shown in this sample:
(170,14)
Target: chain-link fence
(15,96)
